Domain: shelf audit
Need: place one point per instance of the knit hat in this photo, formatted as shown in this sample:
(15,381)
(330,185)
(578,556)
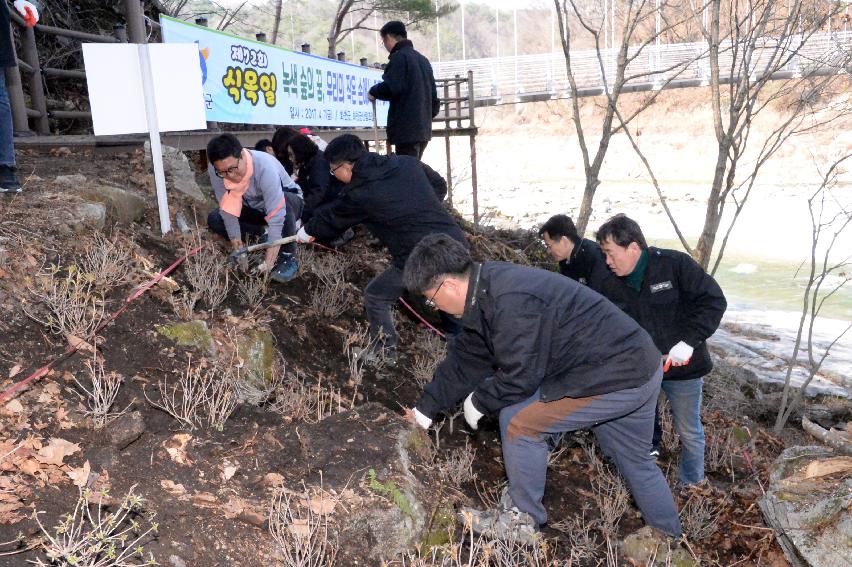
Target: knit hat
(393,28)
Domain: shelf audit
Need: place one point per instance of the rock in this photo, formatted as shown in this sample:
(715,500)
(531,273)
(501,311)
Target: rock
(179,173)
(193,333)
(81,216)
(646,544)
(126,429)
(176,561)
(256,352)
(810,512)
(72,180)
(122,207)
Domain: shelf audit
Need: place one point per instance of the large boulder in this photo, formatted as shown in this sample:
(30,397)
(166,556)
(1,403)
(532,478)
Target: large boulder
(82,216)
(180,176)
(808,505)
(191,333)
(122,206)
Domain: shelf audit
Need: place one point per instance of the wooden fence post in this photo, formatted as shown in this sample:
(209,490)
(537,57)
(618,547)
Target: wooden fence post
(135,21)
(39,102)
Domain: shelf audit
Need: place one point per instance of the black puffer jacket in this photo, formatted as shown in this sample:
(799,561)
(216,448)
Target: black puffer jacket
(409,85)
(393,197)
(318,185)
(678,301)
(530,329)
(587,265)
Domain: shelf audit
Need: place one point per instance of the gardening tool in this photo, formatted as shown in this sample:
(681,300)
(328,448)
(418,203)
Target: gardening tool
(234,256)
(375,126)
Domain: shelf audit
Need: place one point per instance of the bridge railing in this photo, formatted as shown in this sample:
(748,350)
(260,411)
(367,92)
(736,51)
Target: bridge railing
(516,78)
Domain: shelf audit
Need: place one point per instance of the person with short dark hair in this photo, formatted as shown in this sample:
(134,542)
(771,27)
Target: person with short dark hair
(548,355)
(671,296)
(580,259)
(409,85)
(280,140)
(264,145)
(255,196)
(392,196)
(312,173)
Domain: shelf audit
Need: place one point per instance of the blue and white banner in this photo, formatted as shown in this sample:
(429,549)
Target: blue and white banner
(245,81)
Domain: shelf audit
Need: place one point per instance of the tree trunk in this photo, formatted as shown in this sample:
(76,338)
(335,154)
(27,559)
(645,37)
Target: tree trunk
(277,23)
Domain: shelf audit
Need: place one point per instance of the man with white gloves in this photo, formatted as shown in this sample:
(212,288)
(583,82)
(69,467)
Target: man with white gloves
(549,355)
(680,306)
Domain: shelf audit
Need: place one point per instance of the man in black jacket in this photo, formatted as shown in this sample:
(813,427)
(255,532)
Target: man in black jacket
(550,356)
(680,306)
(579,258)
(409,85)
(393,197)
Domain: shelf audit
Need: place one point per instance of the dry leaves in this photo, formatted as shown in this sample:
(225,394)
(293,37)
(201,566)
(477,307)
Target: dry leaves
(173,488)
(55,451)
(14,371)
(176,447)
(80,476)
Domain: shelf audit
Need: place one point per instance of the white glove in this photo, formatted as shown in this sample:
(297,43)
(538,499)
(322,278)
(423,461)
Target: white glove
(28,11)
(261,268)
(302,237)
(471,414)
(680,354)
(421,419)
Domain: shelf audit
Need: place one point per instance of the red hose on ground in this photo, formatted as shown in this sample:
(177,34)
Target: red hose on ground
(138,292)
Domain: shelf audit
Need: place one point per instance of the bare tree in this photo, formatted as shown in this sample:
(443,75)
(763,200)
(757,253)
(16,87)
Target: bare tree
(352,15)
(831,215)
(277,24)
(637,25)
(753,45)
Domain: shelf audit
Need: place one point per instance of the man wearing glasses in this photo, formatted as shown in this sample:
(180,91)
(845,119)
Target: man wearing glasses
(257,198)
(548,355)
(394,198)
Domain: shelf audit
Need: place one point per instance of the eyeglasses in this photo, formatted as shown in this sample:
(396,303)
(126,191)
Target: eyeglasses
(230,170)
(431,301)
(334,169)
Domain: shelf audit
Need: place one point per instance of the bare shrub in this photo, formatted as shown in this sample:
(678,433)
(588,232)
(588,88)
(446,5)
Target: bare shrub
(457,467)
(297,400)
(107,260)
(580,530)
(670,440)
(91,536)
(252,289)
(207,272)
(357,346)
(100,397)
(331,294)
(73,305)
(303,536)
(719,448)
(699,518)
(200,396)
(489,492)
(183,303)
(432,352)
(610,492)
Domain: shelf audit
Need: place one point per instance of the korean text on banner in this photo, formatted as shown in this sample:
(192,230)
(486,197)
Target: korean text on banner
(249,82)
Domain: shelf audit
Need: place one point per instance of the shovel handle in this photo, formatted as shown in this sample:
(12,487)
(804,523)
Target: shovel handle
(254,247)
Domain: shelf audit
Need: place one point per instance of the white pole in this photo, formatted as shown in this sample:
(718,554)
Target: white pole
(154,134)
(464,52)
(438,31)
(515,16)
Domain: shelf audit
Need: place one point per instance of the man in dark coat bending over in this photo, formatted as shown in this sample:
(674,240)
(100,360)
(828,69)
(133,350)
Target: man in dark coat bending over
(392,196)
(409,85)
(548,355)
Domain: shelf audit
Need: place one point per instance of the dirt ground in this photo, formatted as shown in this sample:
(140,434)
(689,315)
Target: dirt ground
(209,490)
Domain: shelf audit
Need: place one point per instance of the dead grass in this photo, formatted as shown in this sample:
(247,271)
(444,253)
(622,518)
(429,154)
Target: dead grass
(73,305)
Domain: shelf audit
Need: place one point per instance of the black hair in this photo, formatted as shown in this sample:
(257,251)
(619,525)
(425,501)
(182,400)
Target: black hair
(304,149)
(223,146)
(622,230)
(280,140)
(558,226)
(395,29)
(261,145)
(347,147)
(435,256)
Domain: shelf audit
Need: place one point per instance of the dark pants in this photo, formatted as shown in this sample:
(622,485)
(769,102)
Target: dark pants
(253,222)
(379,296)
(414,150)
(622,422)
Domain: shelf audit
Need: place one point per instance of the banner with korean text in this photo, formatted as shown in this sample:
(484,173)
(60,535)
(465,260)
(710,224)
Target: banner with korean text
(250,82)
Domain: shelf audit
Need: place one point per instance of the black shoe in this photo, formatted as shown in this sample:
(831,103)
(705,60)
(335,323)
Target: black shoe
(9,184)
